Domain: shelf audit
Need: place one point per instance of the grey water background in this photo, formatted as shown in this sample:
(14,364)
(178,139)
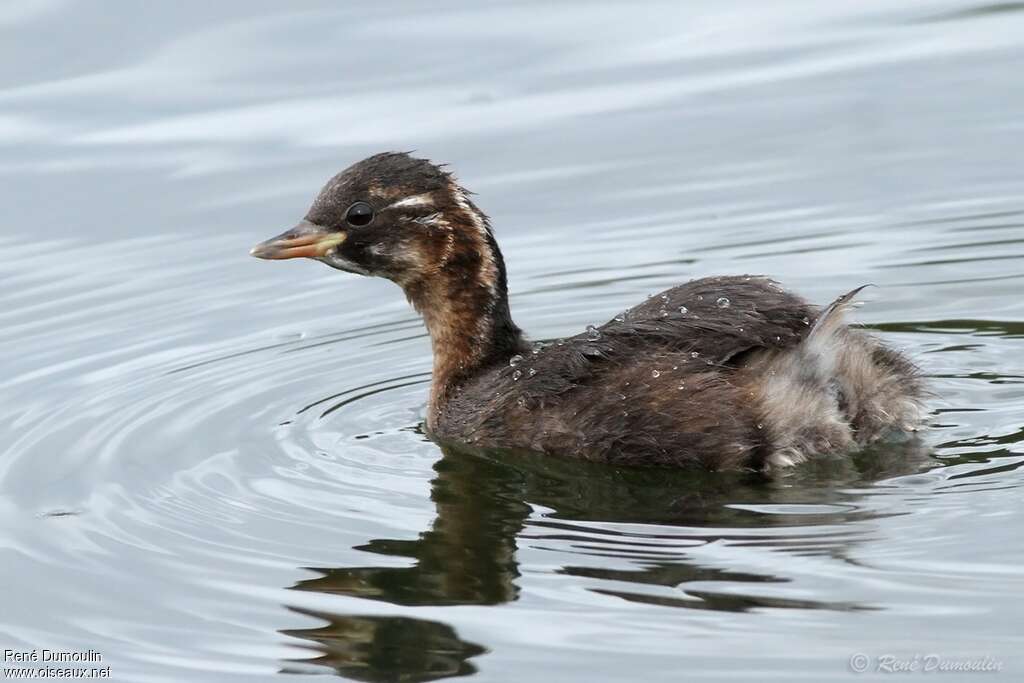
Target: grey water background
(212,469)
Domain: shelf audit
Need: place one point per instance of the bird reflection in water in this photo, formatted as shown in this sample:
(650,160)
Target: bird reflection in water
(468,556)
(376,648)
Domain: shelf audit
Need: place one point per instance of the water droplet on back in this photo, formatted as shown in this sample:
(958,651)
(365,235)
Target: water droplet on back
(515,360)
(516,375)
(683,310)
(593,334)
(655,374)
(722,302)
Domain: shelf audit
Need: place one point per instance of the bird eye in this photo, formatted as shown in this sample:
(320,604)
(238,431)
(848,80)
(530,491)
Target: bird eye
(359,214)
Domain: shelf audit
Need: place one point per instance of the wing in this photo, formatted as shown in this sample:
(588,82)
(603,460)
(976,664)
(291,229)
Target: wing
(718,318)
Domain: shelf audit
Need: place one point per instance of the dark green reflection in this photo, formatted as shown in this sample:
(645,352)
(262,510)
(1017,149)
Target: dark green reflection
(994,328)
(468,557)
(368,648)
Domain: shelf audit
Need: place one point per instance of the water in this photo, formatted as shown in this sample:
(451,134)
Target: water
(212,468)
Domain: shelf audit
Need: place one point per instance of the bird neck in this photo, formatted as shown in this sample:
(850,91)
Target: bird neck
(464,305)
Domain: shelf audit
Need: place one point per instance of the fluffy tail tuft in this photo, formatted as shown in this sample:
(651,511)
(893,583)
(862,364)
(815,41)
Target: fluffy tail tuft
(839,388)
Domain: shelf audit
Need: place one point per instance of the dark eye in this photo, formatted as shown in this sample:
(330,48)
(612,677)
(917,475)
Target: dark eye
(359,214)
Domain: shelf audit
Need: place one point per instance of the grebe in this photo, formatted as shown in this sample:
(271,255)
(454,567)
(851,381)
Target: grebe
(721,373)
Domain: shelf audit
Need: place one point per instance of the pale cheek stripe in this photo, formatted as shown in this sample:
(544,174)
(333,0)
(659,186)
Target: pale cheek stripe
(463,203)
(489,271)
(415,200)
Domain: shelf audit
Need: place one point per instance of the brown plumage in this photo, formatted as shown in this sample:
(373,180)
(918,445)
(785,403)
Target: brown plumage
(719,373)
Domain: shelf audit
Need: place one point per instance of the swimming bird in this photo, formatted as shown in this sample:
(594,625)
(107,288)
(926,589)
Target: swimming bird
(729,372)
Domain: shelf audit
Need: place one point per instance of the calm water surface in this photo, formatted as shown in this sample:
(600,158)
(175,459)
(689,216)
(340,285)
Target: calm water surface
(213,469)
